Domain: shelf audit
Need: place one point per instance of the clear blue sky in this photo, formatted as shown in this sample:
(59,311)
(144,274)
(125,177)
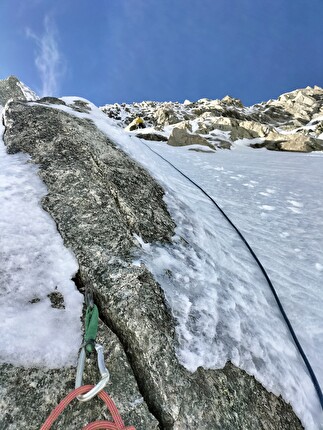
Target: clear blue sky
(132,50)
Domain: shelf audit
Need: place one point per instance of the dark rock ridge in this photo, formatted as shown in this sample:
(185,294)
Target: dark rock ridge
(293,122)
(99,198)
(152,136)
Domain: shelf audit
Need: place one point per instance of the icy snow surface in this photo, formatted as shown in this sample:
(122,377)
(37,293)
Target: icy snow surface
(221,301)
(34,263)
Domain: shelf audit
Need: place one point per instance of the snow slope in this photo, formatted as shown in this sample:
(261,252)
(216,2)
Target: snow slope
(223,305)
(221,301)
(34,264)
(276,200)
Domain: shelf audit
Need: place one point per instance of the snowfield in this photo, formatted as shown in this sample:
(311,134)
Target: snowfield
(34,264)
(221,301)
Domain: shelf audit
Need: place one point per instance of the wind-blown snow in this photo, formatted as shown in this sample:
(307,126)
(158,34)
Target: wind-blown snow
(34,264)
(220,299)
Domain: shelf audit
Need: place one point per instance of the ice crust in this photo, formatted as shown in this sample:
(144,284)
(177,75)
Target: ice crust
(221,301)
(34,264)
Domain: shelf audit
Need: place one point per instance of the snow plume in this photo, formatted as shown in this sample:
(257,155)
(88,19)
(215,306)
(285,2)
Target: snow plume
(48,58)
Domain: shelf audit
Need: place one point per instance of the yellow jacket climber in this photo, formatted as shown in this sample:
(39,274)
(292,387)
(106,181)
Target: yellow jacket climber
(139,121)
(135,124)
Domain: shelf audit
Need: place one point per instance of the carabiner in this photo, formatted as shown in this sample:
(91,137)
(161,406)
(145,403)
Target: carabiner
(105,375)
(88,297)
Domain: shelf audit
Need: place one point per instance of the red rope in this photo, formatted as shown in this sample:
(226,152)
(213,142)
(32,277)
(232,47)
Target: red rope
(117,423)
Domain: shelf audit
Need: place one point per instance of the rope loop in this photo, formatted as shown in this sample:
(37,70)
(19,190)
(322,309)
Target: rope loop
(116,424)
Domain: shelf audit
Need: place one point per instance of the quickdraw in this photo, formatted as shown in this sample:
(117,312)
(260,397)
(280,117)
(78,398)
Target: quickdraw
(91,328)
(86,392)
(105,375)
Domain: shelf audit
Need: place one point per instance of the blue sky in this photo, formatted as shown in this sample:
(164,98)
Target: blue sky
(132,50)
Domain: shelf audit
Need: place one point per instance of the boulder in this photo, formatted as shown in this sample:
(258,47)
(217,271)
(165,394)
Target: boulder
(237,131)
(181,137)
(51,101)
(296,142)
(165,116)
(255,128)
(152,136)
(319,128)
(184,125)
(220,143)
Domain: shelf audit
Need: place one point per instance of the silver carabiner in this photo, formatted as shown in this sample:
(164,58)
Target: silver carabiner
(105,375)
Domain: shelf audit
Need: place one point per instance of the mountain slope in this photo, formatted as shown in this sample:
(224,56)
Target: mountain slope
(120,224)
(294,122)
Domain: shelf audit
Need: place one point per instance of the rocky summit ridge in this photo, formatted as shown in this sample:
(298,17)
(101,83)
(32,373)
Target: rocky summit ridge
(100,199)
(293,122)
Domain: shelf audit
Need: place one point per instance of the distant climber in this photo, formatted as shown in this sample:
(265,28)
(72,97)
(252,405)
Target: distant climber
(135,124)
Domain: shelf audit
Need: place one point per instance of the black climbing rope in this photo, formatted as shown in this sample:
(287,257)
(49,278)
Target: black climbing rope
(282,310)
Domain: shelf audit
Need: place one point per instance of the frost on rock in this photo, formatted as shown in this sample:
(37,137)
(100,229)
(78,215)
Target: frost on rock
(35,266)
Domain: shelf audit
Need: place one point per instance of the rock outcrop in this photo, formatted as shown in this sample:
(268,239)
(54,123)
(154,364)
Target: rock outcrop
(280,123)
(12,88)
(290,142)
(181,137)
(100,199)
(156,137)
